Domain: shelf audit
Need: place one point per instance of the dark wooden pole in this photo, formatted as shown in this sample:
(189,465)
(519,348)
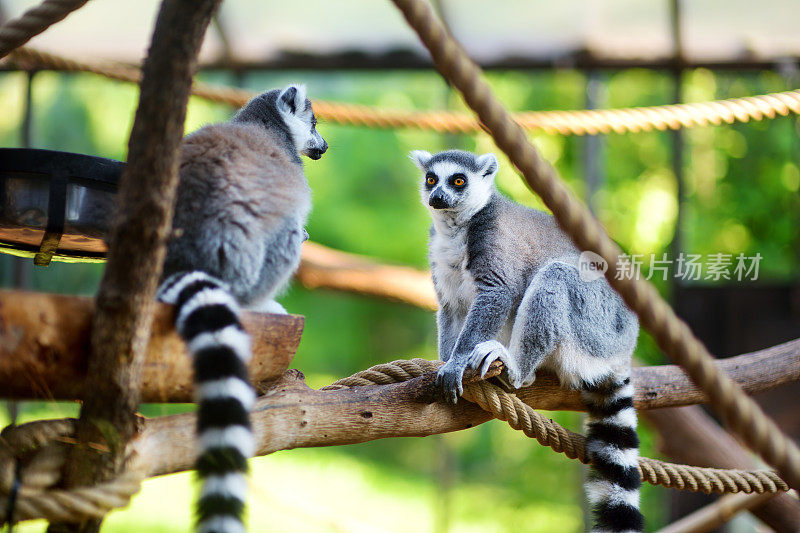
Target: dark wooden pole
(678,143)
(124,310)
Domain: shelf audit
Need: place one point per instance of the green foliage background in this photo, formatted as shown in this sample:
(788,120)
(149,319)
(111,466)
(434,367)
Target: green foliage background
(742,185)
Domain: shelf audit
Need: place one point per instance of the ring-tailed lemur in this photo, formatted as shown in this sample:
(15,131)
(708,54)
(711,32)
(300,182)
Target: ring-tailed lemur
(509,289)
(240,212)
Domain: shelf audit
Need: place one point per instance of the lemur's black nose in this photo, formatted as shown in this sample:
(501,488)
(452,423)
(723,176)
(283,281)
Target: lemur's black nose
(438,201)
(316,153)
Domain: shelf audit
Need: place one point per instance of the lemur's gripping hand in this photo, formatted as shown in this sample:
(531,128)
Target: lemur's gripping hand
(450,379)
(451,376)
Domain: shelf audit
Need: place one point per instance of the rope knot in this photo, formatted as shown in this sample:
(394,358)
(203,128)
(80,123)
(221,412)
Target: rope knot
(32,457)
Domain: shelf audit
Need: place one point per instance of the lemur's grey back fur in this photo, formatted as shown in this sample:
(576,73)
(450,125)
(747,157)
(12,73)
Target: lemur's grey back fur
(240,212)
(241,206)
(509,289)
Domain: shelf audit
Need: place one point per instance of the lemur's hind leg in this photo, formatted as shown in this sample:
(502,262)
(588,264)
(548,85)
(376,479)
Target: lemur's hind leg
(579,329)
(542,322)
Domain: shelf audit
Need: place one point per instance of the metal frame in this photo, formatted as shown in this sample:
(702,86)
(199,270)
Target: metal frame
(62,168)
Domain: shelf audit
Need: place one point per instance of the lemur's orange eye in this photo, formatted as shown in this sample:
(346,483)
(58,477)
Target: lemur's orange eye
(459,182)
(431,180)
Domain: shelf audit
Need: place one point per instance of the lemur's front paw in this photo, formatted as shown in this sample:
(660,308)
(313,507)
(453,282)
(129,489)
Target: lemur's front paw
(486,353)
(449,378)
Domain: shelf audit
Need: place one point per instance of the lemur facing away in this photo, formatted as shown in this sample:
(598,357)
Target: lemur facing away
(240,212)
(509,289)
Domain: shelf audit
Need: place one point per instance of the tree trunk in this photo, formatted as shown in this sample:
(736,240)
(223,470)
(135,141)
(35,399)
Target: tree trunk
(124,310)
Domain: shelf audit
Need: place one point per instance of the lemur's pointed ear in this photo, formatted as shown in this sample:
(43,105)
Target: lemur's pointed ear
(293,98)
(487,165)
(420,158)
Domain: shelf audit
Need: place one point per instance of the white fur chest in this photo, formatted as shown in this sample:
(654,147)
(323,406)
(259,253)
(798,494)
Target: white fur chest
(448,256)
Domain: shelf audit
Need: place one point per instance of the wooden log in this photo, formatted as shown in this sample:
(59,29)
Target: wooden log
(291,415)
(44,343)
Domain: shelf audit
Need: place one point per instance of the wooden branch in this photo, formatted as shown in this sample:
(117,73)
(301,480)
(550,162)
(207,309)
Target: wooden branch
(44,341)
(125,301)
(323,267)
(668,385)
(291,415)
(689,435)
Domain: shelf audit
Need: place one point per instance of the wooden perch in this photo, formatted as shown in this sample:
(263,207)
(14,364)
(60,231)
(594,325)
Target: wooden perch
(668,385)
(44,342)
(291,415)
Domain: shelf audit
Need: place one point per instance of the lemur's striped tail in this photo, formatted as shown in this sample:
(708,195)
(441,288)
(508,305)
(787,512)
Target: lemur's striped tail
(613,447)
(207,317)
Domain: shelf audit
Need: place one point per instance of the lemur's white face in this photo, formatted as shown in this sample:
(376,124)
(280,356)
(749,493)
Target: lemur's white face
(455,181)
(295,109)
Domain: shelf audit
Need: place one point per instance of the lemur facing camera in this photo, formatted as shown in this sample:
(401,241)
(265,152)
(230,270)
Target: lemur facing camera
(509,289)
(240,213)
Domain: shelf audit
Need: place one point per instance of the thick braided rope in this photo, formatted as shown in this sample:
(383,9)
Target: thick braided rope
(523,417)
(383,374)
(741,414)
(520,416)
(585,122)
(19,31)
(44,460)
